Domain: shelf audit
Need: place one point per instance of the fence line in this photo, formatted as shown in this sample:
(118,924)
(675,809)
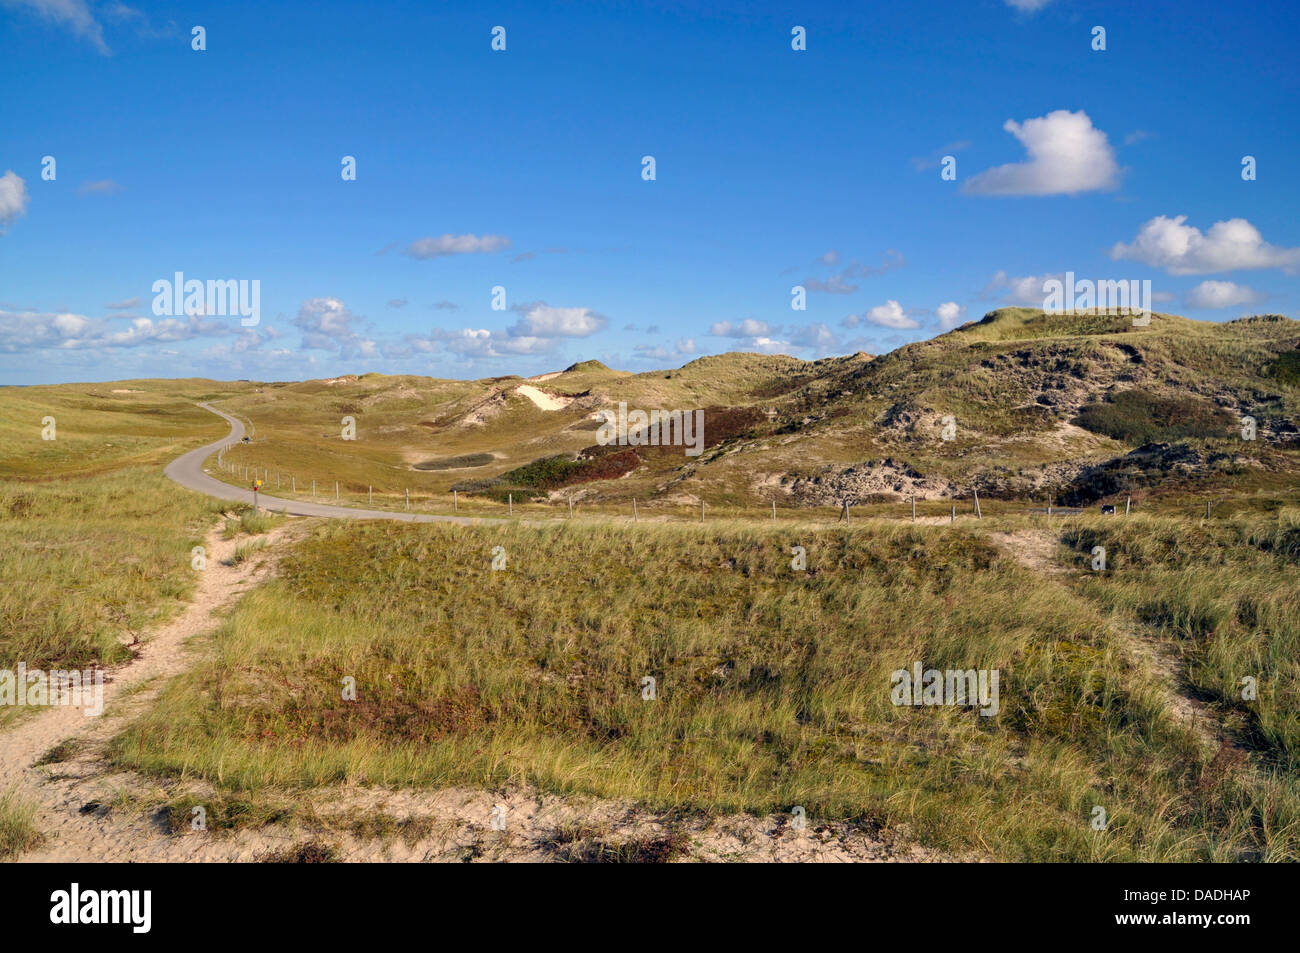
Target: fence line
(249,473)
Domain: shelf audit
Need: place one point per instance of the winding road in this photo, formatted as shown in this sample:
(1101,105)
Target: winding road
(187,470)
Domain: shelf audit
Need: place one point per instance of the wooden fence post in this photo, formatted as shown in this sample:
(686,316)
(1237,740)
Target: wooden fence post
(978,515)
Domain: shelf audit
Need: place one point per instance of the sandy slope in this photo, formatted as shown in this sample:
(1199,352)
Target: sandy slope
(542,399)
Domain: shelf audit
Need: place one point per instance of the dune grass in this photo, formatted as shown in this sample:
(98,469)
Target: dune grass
(1228,592)
(772,687)
(94,559)
(95,543)
(17,830)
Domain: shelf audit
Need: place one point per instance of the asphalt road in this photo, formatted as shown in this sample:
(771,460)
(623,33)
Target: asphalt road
(187,470)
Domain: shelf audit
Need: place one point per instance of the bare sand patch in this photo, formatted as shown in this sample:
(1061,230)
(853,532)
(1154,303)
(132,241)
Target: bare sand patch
(542,399)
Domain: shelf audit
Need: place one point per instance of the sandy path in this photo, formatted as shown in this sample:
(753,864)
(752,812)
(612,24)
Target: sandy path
(128,688)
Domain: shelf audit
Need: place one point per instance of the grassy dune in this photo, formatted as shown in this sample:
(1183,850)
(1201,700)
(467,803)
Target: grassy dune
(1228,593)
(773,686)
(93,539)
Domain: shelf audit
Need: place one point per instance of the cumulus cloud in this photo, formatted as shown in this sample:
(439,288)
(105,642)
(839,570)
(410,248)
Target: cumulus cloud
(684,347)
(950,314)
(1220,294)
(426,248)
(473,343)
(1026,290)
(328,325)
(1181,249)
(536,332)
(1067,155)
(13,199)
(125,304)
(543,321)
(815,337)
(890,315)
(748,328)
(25,331)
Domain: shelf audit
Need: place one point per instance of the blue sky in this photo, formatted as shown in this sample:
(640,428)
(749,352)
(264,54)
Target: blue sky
(522,169)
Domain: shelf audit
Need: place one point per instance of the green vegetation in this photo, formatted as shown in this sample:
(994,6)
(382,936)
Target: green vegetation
(772,685)
(1227,593)
(1136,417)
(1287,368)
(99,539)
(99,558)
(249,522)
(464,461)
(17,831)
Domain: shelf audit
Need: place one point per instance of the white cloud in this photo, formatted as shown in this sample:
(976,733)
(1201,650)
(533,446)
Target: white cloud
(815,337)
(13,199)
(748,328)
(542,320)
(1220,294)
(890,315)
(1067,155)
(1182,249)
(684,347)
(1026,290)
(327,325)
(426,248)
(124,305)
(25,331)
(1028,6)
(767,345)
(74,14)
(950,314)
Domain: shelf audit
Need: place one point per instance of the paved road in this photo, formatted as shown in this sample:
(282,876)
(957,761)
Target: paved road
(187,470)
